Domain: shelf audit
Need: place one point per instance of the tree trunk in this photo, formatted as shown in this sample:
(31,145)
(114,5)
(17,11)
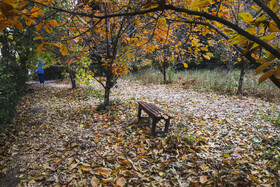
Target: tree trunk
(241,78)
(164,74)
(72,77)
(108,87)
(107,96)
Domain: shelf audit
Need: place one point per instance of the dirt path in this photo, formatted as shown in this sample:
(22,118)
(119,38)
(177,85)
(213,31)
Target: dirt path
(60,138)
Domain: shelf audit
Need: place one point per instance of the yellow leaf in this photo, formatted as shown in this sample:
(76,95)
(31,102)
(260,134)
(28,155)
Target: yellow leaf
(185,65)
(262,67)
(119,139)
(39,26)
(273,5)
(273,27)
(237,39)
(48,28)
(63,50)
(226,156)
(39,49)
(251,30)
(246,17)
(38,38)
(120,181)
(94,182)
(260,19)
(255,8)
(235,172)
(53,23)
(210,55)
(191,151)
(11,37)
(253,178)
(162,21)
(197,4)
(142,156)
(203,179)
(266,75)
(206,56)
(268,38)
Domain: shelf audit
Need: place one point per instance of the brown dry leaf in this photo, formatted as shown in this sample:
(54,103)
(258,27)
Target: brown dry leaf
(105,172)
(94,182)
(84,168)
(203,179)
(120,181)
(255,179)
(72,166)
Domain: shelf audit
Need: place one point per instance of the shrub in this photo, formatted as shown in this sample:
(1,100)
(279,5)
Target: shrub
(12,81)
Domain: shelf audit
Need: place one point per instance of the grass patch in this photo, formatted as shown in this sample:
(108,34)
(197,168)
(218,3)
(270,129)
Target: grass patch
(217,81)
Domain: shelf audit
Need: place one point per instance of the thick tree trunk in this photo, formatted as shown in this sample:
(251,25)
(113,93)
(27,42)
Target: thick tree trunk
(108,87)
(107,96)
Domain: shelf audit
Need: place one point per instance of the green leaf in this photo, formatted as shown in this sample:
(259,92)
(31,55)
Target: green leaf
(246,17)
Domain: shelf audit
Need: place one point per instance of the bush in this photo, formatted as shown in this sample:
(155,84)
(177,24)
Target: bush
(12,81)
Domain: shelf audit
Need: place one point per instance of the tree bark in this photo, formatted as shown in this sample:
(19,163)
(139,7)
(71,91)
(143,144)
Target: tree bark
(108,87)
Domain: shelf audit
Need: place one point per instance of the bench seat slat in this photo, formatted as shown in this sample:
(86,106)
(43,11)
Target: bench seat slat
(152,109)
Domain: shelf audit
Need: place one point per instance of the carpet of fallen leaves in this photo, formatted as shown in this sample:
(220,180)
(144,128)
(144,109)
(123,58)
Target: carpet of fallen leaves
(60,138)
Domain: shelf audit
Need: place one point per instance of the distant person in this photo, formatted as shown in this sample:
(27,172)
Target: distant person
(40,72)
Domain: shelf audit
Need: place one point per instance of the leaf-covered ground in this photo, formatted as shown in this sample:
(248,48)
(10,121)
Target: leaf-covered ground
(61,138)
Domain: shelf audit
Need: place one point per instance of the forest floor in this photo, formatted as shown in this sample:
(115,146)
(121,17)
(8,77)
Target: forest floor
(61,138)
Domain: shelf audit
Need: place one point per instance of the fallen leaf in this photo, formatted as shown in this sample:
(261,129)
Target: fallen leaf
(203,179)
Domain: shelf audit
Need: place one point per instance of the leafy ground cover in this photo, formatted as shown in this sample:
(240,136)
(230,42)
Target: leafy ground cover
(61,137)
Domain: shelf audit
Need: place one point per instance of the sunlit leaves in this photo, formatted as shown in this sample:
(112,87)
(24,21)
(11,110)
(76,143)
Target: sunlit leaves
(273,5)
(53,23)
(39,49)
(266,75)
(246,17)
(39,26)
(197,4)
(48,28)
(262,67)
(63,50)
(38,38)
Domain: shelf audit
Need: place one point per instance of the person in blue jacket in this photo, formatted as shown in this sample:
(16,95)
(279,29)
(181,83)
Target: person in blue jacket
(40,72)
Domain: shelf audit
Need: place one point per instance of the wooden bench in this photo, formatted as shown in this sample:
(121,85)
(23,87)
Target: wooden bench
(156,114)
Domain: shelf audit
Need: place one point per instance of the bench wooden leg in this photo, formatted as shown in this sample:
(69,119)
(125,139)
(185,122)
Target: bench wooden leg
(167,123)
(139,113)
(153,130)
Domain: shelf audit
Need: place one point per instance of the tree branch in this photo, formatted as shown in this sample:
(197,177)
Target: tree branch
(268,11)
